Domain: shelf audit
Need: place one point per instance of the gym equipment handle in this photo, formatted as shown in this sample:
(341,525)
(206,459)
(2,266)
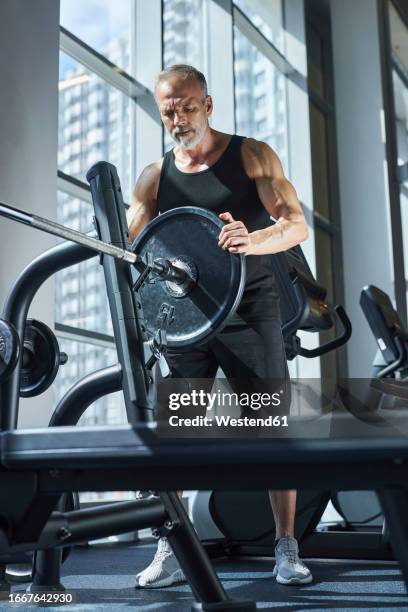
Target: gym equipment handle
(395,365)
(332,344)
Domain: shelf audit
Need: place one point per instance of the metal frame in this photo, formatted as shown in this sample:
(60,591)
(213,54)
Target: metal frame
(75,334)
(17,306)
(73,187)
(100,65)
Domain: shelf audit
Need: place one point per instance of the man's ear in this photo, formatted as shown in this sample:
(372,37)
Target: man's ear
(209,105)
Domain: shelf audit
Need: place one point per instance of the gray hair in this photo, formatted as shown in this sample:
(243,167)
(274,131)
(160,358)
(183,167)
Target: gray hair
(186,72)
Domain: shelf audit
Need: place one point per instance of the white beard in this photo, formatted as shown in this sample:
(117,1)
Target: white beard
(188,141)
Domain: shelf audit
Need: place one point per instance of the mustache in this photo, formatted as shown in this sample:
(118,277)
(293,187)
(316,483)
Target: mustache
(182,130)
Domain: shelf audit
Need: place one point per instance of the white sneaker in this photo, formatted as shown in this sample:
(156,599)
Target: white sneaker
(289,569)
(145,494)
(163,571)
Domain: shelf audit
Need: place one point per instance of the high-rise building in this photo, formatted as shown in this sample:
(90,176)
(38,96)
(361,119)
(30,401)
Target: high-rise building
(94,125)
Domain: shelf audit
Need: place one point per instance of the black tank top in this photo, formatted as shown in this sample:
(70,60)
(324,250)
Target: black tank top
(225,187)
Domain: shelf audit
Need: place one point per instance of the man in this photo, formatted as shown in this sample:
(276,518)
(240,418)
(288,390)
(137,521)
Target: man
(240,179)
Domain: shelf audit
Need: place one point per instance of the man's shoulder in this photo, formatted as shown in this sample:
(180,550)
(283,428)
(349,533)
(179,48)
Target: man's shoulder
(256,148)
(151,172)
(257,157)
(149,179)
(154,168)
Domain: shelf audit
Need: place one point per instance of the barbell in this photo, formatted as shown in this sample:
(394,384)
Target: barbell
(188,286)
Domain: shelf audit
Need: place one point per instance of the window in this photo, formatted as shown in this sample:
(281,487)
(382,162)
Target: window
(105,26)
(401,116)
(315,66)
(260,98)
(266,17)
(325,212)
(84,358)
(260,101)
(399,59)
(94,128)
(319,159)
(260,78)
(74,285)
(183,33)
(324,274)
(96,119)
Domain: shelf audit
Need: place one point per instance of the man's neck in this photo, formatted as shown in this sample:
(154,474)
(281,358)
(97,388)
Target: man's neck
(199,154)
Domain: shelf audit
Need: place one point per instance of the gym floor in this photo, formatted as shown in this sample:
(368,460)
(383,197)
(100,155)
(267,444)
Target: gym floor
(102,578)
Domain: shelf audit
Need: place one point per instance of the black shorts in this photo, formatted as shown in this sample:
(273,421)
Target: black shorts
(252,357)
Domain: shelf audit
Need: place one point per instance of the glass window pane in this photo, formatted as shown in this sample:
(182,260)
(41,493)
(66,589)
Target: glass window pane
(324,262)
(80,291)
(266,16)
(324,273)
(183,33)
(183,38)
(319,161)
(315,56)
(399,44)
(85,358)
(399,38)
(104,25)
(401,116)
(260,97)
(94,123)
(404,216)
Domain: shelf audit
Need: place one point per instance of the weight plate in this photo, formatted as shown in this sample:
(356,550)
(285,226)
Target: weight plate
(188,236)
(41,359)
(9,349)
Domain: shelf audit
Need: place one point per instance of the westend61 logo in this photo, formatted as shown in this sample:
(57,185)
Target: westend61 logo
(255,401)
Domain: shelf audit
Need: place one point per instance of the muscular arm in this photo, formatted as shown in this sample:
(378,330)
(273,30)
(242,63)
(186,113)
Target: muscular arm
(144,199)
(279,198)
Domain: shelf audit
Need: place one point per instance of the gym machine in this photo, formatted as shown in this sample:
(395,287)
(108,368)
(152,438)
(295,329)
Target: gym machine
(64,459)
(153,271)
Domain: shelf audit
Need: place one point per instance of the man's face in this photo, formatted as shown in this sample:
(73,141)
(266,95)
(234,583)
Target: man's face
(183,110)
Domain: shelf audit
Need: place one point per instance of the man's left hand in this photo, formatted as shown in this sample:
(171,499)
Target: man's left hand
(234,236)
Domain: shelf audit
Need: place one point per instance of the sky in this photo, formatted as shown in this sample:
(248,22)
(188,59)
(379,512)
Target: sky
(96,22)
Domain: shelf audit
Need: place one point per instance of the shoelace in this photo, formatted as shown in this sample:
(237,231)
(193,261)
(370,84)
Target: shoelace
(291,556)
(162,552)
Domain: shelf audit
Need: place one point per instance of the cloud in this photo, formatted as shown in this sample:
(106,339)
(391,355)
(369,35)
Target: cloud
(96,22)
